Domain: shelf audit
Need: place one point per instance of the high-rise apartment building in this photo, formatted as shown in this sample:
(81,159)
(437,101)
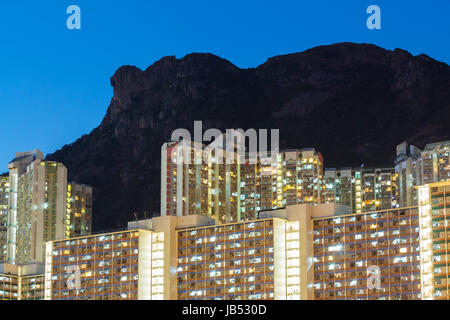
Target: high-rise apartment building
(302,176)
(236,190)
(111,266)
(408,166)
(303,252)
(42,207)
(434,218)
(343,186)
(232,261)
(192,183)
(362,189)
(292,177)
(4,196)
(78,219)
(436,162)
(21,282)
(36,206)
(416,167)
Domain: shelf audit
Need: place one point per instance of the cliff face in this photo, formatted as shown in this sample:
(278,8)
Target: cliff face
(352,102)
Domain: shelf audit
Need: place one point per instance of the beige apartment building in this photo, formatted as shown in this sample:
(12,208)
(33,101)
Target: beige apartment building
(36,206)
(434,219)
(4,196)
(42,207)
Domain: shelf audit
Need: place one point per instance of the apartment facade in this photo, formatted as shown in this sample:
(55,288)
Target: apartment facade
(417,167)
(362,189)
(230,262)
(125,265)
(4,196)
(304,251)
(194,182)
(348,248)
(264,259)
(21,282)
(42,207)
(408,166)
(36,206)
(291,177)
(434,218)
(78,218)
(319,252)
(302,176)
(436,162)
(133,264)
(260,186)
(236,190)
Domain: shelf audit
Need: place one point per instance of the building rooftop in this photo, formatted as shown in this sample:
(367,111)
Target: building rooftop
(35,154)
(437,145)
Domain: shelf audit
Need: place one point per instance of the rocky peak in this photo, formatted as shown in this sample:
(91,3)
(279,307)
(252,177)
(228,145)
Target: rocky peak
(352,102)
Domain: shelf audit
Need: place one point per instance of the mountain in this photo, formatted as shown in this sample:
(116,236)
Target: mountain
(352,102)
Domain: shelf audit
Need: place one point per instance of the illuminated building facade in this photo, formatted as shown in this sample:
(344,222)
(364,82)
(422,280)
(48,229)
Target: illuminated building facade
(260,186)
(263,259)
(408,166)
(233,191)
(319,251)
(36,206)
(41,206)
(302,176)
(436,162)
(346,247)
(133,264)
(344,187)
(304,251)
(291,177)
(198,186)
(228,262)
(9,286)
(4,196)
(434,212)
(416,167)
(78,219)
(126,265)
(21,282)
(362,189)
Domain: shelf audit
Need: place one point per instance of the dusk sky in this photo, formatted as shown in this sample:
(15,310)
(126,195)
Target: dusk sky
(55,82)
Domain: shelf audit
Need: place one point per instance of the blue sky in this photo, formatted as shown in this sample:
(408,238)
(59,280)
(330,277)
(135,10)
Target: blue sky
(54,82)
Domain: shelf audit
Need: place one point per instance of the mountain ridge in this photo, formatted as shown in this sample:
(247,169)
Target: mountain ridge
(352,102)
